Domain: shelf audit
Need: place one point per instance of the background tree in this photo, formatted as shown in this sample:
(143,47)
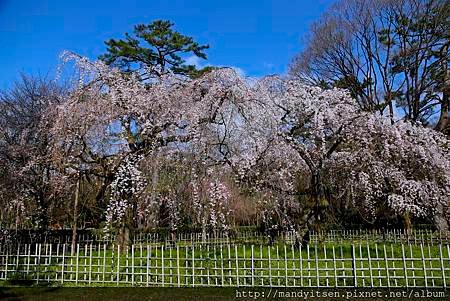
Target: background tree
(153,50)
(420,34)
(26,169)
(387,53)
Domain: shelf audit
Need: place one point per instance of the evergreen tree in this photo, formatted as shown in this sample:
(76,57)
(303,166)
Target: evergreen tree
(154,50)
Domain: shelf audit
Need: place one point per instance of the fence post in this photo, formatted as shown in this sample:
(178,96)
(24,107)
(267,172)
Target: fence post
(2,254)
(270,266)
(118,264)
(178,265)
(76,267)
(170,266)
(45,257)
(386,266)
(405,270)
(411,256)
(201,264)
(423,266)
(126,264)
(355,278)
(85,259)
(370,265)
(162,265)
(221,265)
(327,281)
(193,265)
(147,274)
(215,266)
(71,256)
(278,266)
(104,263)
(334,267)
(361,262)
(301,264)
(132,265)
(49,263)
(253,268)
(90,263)
(430,258)
(229,264)
(140,261)
(442,265)
(380,280)
(6,264)
(244,268)
(57,260)
(38,263)
(63,262)
(317,264)
(261,263)
(237,265)
(17,258)
(394,265)
(28,259)
(309,265)
(285,267)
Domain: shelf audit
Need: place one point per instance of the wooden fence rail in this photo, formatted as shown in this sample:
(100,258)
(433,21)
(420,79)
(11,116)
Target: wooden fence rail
(318,265)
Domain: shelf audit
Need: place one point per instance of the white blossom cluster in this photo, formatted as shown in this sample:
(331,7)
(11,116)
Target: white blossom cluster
(128,184)
(211,202)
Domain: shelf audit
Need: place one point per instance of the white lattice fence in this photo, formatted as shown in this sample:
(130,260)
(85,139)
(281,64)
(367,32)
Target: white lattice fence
(345,265)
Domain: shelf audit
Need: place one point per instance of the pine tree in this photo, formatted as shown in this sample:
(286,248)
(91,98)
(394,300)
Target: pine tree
(153,50)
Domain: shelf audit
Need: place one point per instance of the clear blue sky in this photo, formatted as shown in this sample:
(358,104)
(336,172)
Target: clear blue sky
(259,37)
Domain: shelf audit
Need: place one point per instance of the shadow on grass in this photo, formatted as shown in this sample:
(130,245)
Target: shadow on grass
(112,294)
(199,294)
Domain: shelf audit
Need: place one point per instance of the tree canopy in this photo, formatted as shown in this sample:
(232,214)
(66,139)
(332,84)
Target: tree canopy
(387,53)
(153,50)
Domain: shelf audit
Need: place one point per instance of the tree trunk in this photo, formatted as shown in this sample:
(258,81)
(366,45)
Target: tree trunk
(17,218)
(173,238)
(302,236)
(440,220)
(128,227)
(100,196)
(204,238)
(311,217)
(318,198)
(442,124)
(123,237)
(407,225)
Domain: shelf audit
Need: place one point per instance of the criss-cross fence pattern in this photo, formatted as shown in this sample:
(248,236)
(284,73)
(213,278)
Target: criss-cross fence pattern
(84,237)
(243,237)
(413,236)
(327,265)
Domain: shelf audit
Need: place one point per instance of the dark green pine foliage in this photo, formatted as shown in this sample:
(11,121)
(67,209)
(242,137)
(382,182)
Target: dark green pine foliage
(154,50)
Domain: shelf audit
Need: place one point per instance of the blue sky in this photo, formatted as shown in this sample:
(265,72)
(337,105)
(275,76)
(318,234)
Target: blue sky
(258,37)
